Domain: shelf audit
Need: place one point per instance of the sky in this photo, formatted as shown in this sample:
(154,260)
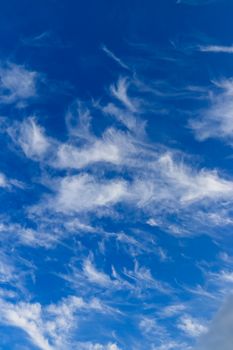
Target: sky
(116,176)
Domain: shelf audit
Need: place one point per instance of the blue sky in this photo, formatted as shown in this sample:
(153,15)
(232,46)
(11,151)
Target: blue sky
(116,175)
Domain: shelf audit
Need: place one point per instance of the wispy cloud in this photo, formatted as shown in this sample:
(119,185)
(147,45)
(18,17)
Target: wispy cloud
(95,276)
(97,346)
(216,120)
(192,327)
(47,39)
(78,120)
(47,327)
(91,193)
(120,92)
(216,48)
(18,84)
(107,149)
(114,57)
(30,137)
(7,183)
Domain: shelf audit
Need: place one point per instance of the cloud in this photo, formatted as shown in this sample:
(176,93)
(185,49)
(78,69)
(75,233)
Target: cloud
(137,282)
(13,272)
(114,57)
(143,279)
(47,39)
(95,276)
(219,335)
(3,181)
(78,120)
(191,326)
(216,121)
(120,92)
(97,346)
(172,310)
(7,183)
(84,192)
(30,137)
(106,150)
(172,345)
(17,84)
(158,182)
(16,235)
(48,327)
(151,327)
(28,318)
(158,336)
(216,49)
(113,147)
(8,272)
(128,119)
(156,178)
(189,185)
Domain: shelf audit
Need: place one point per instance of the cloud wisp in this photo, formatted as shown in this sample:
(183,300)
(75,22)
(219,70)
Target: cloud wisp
(216,120)
(17,84)
(114,57)
(216,49)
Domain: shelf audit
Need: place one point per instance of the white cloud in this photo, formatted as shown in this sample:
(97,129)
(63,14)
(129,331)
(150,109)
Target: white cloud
(114,57)
(172,345)
(30,137)
(8,273)
(3,180)
(216,48)
(159,183)
(159,335)
(120,92)
(13,234)
(104,150)
(8,183)
(216,121)
(17,83)
(127,118)
(95,276)
(152,222)
(172,310)
(78,120)
(190,185)
(136,282)
(191,326)
(28,318)
(142,278)
(150,326)
(114,147)
(13,271)
(47,327)
(97,346)
(84,193)
(45,39)
(174,185)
